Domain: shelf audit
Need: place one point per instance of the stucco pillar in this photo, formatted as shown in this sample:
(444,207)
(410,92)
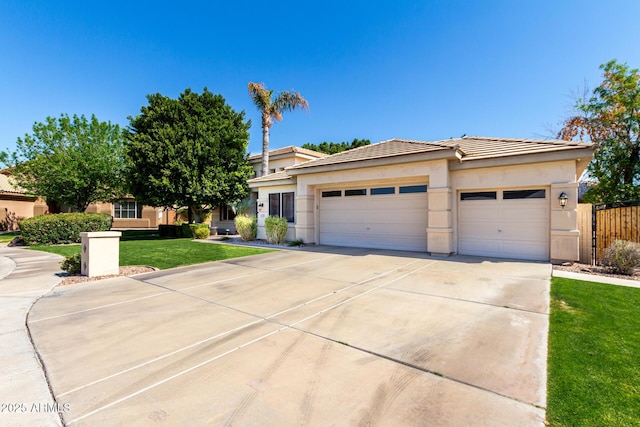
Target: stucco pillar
(305,217)
(440,221)
(565,245)
(100,253)
(263,208)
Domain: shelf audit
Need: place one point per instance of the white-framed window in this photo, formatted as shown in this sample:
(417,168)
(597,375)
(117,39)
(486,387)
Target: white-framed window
(127,209)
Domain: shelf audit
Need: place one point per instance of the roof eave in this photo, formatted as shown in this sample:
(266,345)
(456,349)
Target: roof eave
(574,153)
(367,163)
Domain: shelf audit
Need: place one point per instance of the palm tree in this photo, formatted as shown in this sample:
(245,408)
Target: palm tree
(272,109)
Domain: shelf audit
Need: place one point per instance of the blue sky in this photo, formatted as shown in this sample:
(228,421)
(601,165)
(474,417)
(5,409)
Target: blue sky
(423,70)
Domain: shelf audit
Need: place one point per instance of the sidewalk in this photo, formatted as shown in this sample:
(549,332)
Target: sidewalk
(25,398)
(596,278)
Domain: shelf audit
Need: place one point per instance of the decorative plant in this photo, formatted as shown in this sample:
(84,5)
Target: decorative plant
(72,264)
(247,227)
(621,257)
(276,228)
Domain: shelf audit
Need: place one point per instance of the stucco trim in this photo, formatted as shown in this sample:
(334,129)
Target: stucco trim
(522,159)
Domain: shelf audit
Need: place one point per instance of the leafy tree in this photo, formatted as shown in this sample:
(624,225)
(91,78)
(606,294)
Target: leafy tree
(271,109)
(333,148)
(188,152)
(71,161)
(610,119)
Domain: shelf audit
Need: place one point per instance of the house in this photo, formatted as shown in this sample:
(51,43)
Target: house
(279,159)
(16,203)
(496,197)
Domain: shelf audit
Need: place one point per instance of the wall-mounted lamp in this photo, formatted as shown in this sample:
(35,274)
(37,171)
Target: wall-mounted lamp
(260,205)
(563,199)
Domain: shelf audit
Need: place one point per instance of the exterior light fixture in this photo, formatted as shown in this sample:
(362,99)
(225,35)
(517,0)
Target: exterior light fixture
(563,199)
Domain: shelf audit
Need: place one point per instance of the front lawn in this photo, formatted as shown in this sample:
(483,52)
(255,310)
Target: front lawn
(594,355)
(8,236)
(165,253)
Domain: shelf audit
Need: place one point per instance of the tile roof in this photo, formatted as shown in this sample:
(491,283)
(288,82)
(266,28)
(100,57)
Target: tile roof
(466,148)
(271,177)
(286,150)
(478,147)
(8,186)
(384,149)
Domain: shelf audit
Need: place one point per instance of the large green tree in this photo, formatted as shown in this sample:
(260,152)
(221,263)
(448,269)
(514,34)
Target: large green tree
(333,147)
(71,161)
(271,107)
(610,119)
(188,152)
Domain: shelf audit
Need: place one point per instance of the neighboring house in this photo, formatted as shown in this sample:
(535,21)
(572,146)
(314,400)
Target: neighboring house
(126,214)
(16,204)
(279,159)
(496,197)
(130,214)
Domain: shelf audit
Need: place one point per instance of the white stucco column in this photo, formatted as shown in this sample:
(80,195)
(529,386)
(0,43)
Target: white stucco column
(565,245)
(440,221)
(305,216)
(100,253)
(262,214)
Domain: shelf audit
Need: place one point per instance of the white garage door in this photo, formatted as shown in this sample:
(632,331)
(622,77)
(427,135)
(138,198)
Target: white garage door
(504,223)
(386,217)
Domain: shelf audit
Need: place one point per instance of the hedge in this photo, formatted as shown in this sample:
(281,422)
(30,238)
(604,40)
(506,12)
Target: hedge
(53,229)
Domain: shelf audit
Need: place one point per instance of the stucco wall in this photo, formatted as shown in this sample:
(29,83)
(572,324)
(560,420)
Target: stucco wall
(263,212)
(557,176)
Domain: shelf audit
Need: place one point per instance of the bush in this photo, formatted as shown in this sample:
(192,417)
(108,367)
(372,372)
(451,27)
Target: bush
(71,264)
(53,229)
(247,227)
(202,232)
(621,257)
(197,231)
(276,228)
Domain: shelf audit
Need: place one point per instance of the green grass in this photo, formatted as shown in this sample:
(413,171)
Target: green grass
(7,237)
(594,355)
(165,253)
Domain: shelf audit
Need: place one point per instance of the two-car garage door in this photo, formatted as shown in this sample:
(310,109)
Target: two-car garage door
(504,223)
(386,216)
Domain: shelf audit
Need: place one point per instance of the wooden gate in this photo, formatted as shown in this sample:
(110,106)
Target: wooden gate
(614,221)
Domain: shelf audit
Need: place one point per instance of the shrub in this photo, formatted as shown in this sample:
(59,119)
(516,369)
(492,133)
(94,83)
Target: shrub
(197,231)
(276,228)
(53,229)
(247,227)
(621,257)
(71,264)
(297,242)
(202,232)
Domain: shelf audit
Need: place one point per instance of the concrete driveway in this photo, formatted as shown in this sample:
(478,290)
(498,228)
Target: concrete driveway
(321,336)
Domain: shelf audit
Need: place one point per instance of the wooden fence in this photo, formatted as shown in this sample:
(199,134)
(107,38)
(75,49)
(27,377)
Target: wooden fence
(602,224)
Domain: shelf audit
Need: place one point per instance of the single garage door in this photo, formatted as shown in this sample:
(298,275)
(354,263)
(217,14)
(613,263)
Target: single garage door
(386,217)
(504,223)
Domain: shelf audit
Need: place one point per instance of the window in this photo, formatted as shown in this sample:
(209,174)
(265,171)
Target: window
(413,189)
(523,194)
(478,195)
(282,204)
(358,192)
(383,190)
(127,209)
(336,193)
(226,213)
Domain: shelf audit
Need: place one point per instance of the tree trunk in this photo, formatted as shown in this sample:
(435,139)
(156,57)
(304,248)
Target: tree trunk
(265,147)
(53,206)
(189,214)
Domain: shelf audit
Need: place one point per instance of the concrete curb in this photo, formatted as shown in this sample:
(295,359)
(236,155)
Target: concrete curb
(26,397)
(596,278)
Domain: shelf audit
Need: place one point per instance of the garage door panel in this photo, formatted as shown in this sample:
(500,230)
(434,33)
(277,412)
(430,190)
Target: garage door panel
(512,228)
(394,221)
